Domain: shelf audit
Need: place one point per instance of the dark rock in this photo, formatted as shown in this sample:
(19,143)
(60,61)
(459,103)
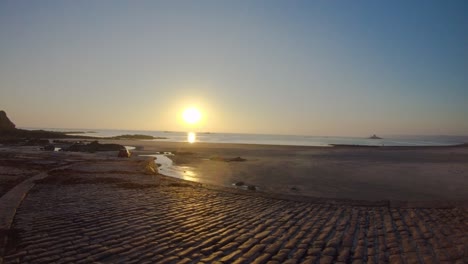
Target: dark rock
(124,153)
(94,146)
(63,141)
(181,153)
(49,147)
(36,142)
(236,159)
(11,140)
(5,122)
(374,137)
(219,158)
(295,189)
(251,188)
(240,183)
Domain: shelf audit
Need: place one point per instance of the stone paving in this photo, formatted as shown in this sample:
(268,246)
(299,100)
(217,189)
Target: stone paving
(80,216)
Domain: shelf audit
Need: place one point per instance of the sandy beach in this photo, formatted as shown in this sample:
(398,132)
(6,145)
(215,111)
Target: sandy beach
(362,173)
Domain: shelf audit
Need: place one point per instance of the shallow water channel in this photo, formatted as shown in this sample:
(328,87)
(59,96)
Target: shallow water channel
(167,167)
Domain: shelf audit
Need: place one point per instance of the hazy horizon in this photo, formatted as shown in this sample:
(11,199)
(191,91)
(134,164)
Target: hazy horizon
(64,129)
(317,68)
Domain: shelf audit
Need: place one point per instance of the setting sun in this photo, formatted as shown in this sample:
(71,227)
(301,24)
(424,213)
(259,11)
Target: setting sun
(191,115)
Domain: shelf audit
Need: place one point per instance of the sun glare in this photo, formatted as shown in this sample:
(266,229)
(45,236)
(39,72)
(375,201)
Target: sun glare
(191,137)
(191,115)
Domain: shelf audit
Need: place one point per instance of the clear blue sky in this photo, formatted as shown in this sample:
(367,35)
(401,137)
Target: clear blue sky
(288,67)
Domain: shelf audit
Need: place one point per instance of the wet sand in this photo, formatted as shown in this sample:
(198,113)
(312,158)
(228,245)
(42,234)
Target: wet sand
(382,173)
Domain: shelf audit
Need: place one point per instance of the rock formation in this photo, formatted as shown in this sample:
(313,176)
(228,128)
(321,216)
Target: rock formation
(93,147)
(5,123)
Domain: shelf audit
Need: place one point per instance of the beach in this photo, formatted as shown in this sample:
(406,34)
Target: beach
(361,173)
(95,207)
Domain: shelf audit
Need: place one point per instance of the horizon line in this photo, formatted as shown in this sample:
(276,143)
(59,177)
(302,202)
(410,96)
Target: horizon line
(246,133)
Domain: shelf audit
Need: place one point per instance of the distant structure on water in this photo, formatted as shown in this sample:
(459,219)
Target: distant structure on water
(374,137)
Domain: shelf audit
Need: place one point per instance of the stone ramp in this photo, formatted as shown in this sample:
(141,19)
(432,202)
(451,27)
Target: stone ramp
(137,218)
(9,203)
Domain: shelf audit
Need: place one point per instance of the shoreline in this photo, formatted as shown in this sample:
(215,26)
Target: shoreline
(414,174)
(361,173)
(97,162)
(232,144)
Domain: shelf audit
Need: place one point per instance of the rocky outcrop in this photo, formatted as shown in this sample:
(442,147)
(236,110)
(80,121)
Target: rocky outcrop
(10,135)
(5,122)
(94,146)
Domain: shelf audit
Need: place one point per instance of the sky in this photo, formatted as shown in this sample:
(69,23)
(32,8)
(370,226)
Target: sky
(347,68)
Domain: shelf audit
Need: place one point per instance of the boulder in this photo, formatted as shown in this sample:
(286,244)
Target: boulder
(251,188)
(124,153)
(240,183)
(49,147)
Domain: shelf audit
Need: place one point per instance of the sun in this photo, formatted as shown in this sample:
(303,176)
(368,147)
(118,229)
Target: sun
(191,115)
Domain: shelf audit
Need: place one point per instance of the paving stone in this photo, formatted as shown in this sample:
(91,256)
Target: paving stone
(255,250)
(231,256)
(329,251)
(300,252)
(309,260)
(281,255)
(262,235)
(291,261)
(314,251)
(395,259)
(212,257)
(262,259)
(326,260)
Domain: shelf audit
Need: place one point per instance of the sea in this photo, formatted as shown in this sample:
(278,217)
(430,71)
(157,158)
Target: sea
(265,139)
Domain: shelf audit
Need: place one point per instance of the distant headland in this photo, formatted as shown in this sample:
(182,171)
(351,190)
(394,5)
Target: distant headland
(9,134)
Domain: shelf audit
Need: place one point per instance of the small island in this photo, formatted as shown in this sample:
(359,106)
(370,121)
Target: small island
(137,136)
(374,137)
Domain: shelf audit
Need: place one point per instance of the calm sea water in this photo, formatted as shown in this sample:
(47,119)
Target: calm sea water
(285,139)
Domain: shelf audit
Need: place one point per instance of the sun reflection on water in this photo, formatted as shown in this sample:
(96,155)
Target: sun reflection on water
(188,174)
(191,137)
